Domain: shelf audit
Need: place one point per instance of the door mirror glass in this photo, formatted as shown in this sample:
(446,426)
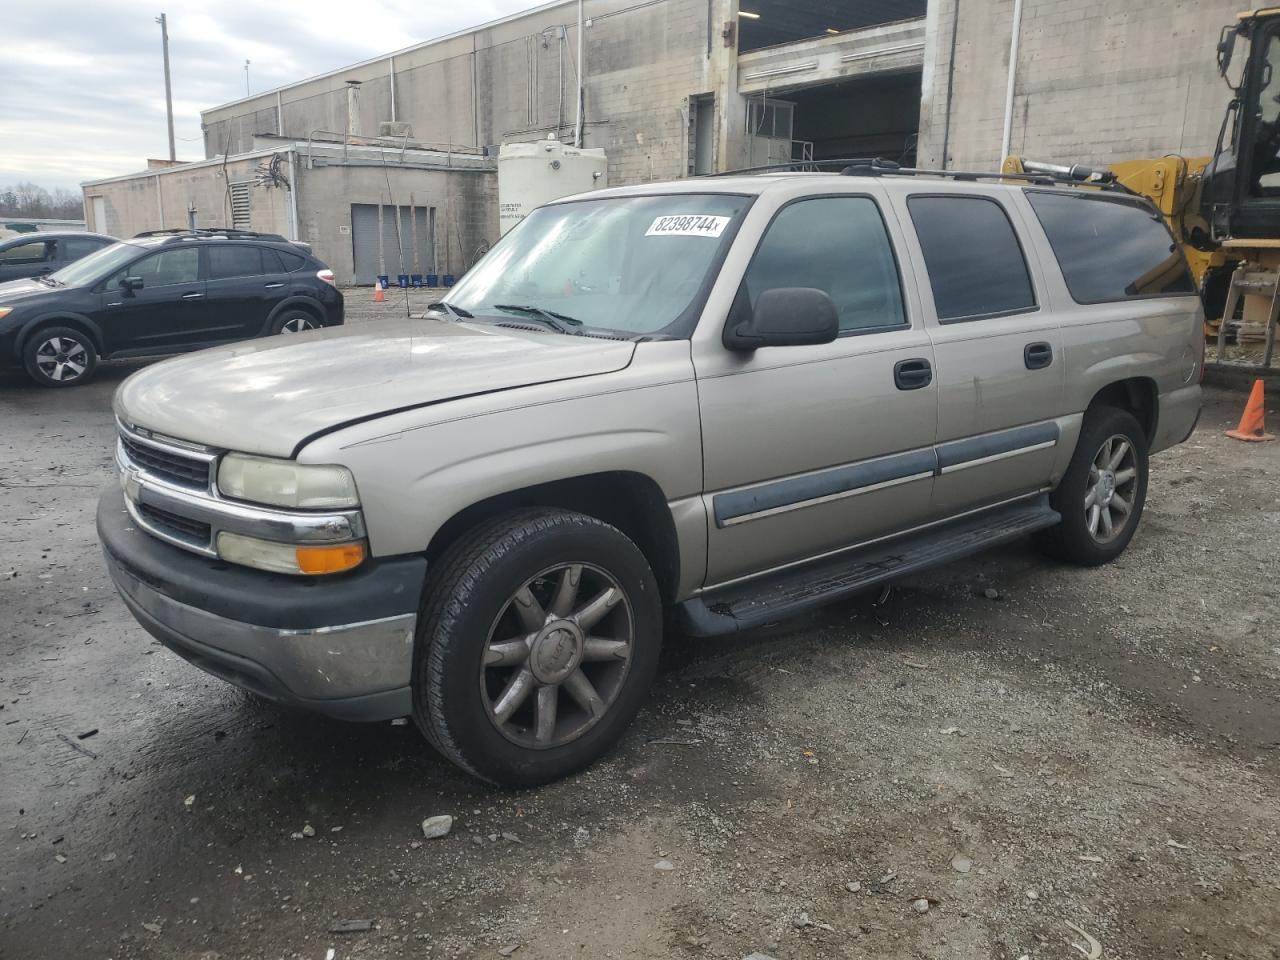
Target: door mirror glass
(786,317)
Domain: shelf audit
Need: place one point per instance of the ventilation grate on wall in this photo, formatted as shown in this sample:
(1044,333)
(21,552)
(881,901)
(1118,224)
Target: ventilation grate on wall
(241,206)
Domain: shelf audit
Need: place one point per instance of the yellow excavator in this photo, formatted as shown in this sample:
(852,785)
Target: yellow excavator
(1224,209)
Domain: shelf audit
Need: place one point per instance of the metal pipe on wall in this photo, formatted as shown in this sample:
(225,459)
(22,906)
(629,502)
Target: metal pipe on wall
(1013,74)
(293,195)
(391,75)
(577,132)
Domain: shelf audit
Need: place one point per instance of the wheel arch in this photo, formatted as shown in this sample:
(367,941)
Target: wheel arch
(631,501)
(296,302)
(1138,395)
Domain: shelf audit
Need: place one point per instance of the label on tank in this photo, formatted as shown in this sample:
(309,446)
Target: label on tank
(687,225)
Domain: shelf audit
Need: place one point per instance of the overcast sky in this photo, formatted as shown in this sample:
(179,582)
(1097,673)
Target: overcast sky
(83,89)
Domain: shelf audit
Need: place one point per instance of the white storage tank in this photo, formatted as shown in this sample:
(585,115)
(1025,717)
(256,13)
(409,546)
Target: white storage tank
(531,174)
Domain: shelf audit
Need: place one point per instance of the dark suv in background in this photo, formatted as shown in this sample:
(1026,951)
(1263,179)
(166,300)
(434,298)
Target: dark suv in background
(35,254)
(161,293)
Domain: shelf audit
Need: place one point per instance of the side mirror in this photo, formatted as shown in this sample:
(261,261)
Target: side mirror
(786,317)
(1226,47)
(131,283)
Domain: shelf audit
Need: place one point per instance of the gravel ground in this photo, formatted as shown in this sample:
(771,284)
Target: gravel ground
(1089,747)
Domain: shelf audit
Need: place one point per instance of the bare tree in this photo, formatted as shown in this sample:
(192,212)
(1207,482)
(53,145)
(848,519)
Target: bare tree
(32,200)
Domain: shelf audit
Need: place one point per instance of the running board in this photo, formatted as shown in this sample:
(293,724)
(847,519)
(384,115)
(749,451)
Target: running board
(743,606)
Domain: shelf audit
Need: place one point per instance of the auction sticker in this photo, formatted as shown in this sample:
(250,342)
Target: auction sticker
(687,225)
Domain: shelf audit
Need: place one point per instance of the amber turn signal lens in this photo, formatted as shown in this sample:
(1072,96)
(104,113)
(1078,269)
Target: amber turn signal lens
(335,559)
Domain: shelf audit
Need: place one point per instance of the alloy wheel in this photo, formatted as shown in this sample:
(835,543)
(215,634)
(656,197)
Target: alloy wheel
(557,655)
(62,359)
(298,323)
(1111,490)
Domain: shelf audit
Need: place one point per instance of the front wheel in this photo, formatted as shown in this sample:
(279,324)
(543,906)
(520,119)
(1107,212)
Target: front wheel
(1103,492)
(60,357)
(538,642)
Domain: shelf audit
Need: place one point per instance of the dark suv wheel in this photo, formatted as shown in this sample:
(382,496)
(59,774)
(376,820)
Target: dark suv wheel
(295,321)
(1102,494)
(60,357)
(538,642)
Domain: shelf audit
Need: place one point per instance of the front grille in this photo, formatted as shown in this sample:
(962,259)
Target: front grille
(174,467)
(183,528)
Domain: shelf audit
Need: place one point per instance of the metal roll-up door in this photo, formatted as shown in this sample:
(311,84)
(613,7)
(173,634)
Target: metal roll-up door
(414,233)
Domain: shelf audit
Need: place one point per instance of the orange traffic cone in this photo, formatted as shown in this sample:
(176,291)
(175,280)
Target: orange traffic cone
(378,295)
(1252,424)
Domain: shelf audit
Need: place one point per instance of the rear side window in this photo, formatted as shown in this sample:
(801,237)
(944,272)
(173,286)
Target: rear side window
(1111,249)
(838,245)
(976,266)
(291,261)
(226,261)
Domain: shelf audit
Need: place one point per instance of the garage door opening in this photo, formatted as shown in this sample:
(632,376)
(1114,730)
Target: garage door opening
(388,241)
(873,117)
(767,23)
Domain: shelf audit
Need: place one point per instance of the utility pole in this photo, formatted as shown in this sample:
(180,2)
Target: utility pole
(577,133)
(168,90)
(246,77)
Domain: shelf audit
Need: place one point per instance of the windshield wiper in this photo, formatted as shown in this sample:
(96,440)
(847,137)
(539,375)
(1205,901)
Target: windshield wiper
(49,281)
(458,313)
(556,321)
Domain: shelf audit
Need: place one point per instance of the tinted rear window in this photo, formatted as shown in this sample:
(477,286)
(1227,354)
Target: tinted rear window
(226,261)
(292,261)
(1109,249)
(975,263)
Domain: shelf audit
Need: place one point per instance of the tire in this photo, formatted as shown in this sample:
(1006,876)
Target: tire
(60,357)
(1079,538)
(468,656)
(295,321)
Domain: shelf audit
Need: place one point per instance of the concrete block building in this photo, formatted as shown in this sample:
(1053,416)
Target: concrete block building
(675,88)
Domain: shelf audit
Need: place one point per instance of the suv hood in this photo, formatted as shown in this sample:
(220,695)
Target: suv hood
(269,396)
(15,292)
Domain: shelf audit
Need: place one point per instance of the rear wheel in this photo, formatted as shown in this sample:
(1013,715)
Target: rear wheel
(60,357)
(295,321)
(538,642)
(1102,494)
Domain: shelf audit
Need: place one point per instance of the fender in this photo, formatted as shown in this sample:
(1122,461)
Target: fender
(297,300)
(66,317)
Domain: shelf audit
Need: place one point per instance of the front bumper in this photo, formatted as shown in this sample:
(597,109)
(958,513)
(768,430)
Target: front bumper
(340,645)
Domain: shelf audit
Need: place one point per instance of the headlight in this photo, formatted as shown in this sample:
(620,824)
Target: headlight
(289,558)
(5,311)
(284,483)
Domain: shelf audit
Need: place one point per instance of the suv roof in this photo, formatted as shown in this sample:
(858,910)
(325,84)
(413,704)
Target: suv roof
(757,180)
(182,235)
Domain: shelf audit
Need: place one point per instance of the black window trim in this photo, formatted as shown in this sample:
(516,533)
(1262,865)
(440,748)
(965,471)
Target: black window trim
(1017,238)
(1140,203)
(907,323)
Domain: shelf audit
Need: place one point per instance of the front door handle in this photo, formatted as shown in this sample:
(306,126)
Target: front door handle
(272,286)
(912,374)
(192,296)
(1037,356)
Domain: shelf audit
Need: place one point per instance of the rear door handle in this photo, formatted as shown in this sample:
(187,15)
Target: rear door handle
(912,374)
(192,296)
(1037,356)
(272,286)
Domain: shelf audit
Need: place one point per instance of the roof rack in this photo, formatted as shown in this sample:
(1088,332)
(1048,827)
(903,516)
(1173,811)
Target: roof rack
(878,167)
(226,232)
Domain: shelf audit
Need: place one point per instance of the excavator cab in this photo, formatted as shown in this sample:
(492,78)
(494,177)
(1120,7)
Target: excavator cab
(1240,197)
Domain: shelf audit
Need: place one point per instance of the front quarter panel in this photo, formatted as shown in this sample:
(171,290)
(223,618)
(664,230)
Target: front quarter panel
(417,469)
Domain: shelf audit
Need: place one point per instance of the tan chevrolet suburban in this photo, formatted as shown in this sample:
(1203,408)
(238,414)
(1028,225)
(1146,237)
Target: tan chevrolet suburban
(694,407)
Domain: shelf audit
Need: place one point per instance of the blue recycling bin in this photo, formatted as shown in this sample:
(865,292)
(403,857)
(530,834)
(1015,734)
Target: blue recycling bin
(448,280)
(402,279)
(384,281)
(415,279)
(433,280)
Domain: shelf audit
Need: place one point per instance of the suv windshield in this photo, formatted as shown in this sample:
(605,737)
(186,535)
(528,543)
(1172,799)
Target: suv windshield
(96,265)
(627,265)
